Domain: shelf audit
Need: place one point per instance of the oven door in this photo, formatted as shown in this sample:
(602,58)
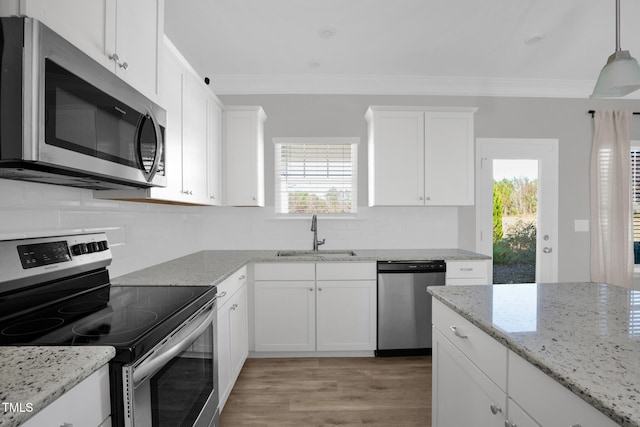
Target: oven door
(175,384)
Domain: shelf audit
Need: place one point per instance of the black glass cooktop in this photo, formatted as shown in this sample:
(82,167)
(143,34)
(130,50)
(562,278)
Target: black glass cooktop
(131,318)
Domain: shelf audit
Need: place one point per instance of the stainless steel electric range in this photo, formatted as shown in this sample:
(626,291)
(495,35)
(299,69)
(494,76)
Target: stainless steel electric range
(56,291)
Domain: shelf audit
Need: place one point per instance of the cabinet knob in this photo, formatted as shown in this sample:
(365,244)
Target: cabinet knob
(508,423)
(212,197)
(495,409)
(420,198)
(115,58)
(310,289)
(575,425)
(319,289)
(428,198)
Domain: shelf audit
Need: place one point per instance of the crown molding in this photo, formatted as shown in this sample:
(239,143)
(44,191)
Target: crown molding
(242,84)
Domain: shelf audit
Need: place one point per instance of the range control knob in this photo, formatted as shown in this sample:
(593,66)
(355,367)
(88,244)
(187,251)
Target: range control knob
(79,249)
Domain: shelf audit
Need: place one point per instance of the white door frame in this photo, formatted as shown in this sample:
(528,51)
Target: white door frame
(546,152)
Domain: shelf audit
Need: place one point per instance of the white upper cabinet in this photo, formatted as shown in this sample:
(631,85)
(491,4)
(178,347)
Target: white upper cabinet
(420,156)
(130,30)
(243,153)
(214,152)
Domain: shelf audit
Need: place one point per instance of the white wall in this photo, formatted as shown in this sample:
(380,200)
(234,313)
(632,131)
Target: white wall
(140,234)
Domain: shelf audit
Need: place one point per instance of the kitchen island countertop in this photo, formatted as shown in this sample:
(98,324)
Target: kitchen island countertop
(211,267)
(584,335)
(38,375)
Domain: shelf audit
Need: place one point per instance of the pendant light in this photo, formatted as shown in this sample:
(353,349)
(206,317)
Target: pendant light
(621,75)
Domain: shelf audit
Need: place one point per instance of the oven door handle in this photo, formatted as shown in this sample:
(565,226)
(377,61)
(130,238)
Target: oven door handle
(178,344)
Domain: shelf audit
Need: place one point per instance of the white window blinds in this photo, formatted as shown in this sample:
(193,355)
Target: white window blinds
(316,175)
(635,196)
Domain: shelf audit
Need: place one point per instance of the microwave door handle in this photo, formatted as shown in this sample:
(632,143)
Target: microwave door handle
(151,366)
(159,145)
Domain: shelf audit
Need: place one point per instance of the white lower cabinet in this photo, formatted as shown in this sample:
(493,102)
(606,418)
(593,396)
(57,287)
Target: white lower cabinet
(482,384)
(86,404)
(233,332)
(304,307)
(462,394)
(285,315)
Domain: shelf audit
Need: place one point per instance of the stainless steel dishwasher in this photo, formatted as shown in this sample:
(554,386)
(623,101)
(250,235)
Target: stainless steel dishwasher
(404,306)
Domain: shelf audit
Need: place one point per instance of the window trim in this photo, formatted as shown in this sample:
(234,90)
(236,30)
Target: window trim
(353,141)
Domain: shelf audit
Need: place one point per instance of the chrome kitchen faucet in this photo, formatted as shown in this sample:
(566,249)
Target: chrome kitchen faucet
(314,228)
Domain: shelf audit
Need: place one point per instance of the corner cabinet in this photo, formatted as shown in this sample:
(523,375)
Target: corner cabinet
(124,36)
(306,307)
(421,156)
(243,155)
(472,373)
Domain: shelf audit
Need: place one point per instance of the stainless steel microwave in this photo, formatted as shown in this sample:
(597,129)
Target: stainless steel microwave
(66,119)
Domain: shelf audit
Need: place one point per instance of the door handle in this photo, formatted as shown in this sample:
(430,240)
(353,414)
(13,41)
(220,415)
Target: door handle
(547,250)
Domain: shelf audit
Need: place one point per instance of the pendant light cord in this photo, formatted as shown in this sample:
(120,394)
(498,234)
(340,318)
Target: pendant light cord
(618,49)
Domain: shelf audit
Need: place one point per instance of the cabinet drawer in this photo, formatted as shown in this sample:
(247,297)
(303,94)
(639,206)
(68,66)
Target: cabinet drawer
(547,401)
(466,269)
(346,271)
(284,271)
(230,285)
(485,352)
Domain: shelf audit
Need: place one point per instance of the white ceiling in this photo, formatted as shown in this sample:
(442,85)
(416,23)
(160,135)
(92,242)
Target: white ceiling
(456,47)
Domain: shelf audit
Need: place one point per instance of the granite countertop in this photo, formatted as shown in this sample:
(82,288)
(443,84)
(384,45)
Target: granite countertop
(212,267)
(584,335)
(38,375)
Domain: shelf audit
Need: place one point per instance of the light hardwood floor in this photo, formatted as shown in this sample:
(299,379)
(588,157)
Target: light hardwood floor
(306,392)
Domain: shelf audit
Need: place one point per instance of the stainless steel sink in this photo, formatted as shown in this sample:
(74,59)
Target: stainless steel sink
(335,254)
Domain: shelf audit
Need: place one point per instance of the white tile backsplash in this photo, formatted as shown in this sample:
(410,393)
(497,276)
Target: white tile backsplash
(144,234)
(140,234)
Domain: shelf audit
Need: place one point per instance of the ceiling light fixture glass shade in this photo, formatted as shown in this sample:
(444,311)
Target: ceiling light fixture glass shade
(621,75)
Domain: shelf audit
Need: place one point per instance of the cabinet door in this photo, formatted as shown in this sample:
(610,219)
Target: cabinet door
(243,147)
(239,331)
(194,142)
(83,23)
(346,315)
(396,158)
(172,93)
(462,394)
(138,42)
(285,316)
(214,151)
(448,157)
(224,352)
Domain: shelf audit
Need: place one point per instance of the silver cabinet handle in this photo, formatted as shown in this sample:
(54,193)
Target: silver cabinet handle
(575,425)
(495,409)
(222,294)
(242,277)
(115,58)
(467,269)
(234,306)
(456,332)
(508,423)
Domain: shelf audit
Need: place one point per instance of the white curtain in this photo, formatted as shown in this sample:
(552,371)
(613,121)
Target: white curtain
(610,174)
